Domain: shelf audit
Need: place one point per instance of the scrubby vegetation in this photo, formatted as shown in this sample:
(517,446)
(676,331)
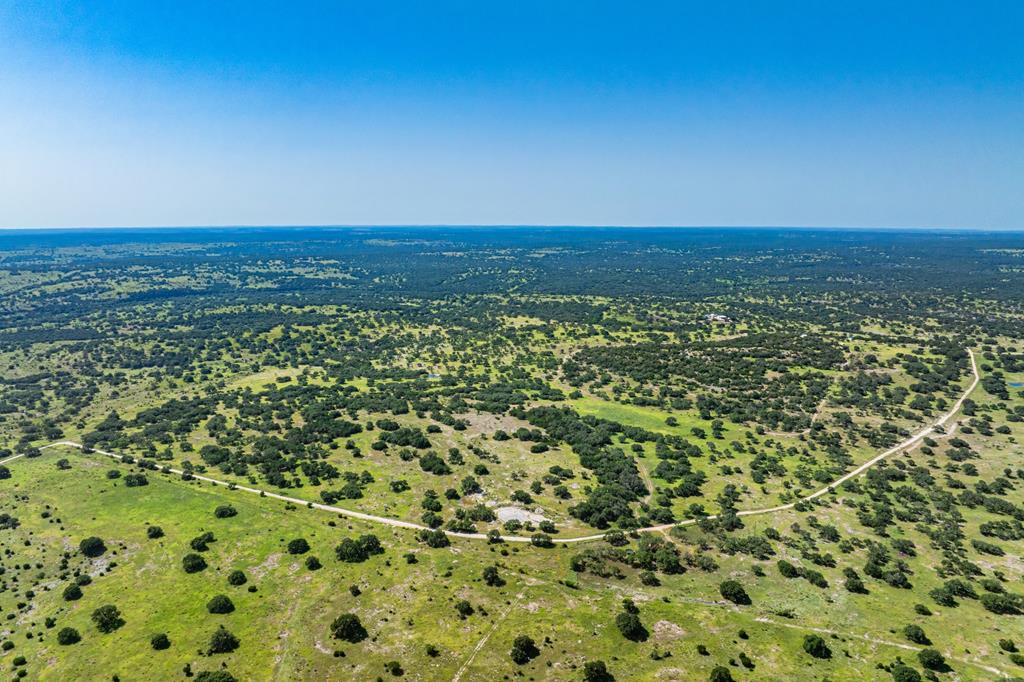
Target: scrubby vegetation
(646,388)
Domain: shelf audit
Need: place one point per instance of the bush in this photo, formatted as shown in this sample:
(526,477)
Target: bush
(541,540)
(92,547)
(902,673)
(222,642)
(193,563)
(313,564)
(916,634)
(348,627)
(225,511)
(298,546)
(630,626)
(931,659)
(160,641)
(136,480)
(720,674)
(236,578)
(154,532)
(734,592)
(815,646)
(72,592)
(200,543)
(107,618)
(221,603)
(523,650)
(354,551)
(434,538)
(492,578)
(68,636)
(215,676)
(1004,604)
(596,671)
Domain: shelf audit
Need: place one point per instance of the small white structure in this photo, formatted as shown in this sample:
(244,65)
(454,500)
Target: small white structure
(717,317)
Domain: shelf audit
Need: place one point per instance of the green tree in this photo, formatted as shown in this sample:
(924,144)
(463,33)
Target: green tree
(916,634)
(220,604)
(630,626)
(720,674)
(298,546)
(92,547)
(734,592)
(816,646)
(523,650)
(931,659)
(68,636)
(107,618)
(348,627)
(193,563)
(222,641)
(903,673)
(596,671)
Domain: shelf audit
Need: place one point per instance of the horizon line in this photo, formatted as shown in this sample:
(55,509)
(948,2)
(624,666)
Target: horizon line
(470,226)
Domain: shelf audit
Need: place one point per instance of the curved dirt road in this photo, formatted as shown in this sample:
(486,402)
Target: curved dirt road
(909,442)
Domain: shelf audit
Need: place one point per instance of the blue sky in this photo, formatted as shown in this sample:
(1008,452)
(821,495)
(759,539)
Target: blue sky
(798,113)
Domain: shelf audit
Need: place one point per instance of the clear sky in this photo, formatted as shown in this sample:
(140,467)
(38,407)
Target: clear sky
(518,112)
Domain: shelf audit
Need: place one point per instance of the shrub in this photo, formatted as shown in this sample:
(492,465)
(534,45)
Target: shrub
(193,563)
(298,546)
(434,538)
(523,650)
(107,618)
(902,673)
(215,676)
(787,569)
(222,642)
(313,564)
(358,550)
(225,511)
(72,592)
(1005,604)
(220,604)
(160,641)
(630,626)
(734,592)
(931,659)
(916,634)
(92,547)
(815,646)
(154,532)
(236,578)
(136,480)
(68,636)
(720,674)
(596,671)
(541,540)
(492,578)
(348,627)
(464,608)
(200,543)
